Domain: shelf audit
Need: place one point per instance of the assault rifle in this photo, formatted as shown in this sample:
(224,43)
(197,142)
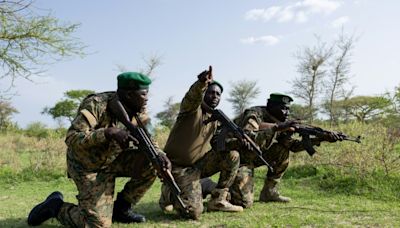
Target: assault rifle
(306,130)
(146,145)
(218,115)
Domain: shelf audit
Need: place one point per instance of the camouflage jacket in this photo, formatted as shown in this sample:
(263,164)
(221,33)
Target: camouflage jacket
(269,140)
(88,149)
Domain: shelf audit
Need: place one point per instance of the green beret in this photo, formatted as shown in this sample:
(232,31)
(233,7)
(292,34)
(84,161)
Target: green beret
(281,98)
(133,80)
(213,82)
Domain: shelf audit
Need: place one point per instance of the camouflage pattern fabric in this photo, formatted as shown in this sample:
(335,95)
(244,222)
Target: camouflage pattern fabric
(275,146)
(94,162)
(188,179)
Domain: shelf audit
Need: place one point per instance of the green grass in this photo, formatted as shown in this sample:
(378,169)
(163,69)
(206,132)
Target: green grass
(321,198)
(344,184)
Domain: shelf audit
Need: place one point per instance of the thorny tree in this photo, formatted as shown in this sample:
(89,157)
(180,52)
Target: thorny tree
(29,41)
(241,95)
(312,70)
(337,81)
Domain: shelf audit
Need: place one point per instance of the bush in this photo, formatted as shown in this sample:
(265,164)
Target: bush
(26,154)
(161,134)
(41,131)
(37,129)
(376,153)
(43,150)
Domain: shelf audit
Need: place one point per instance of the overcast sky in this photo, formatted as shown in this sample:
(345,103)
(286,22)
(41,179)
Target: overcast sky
(254,40)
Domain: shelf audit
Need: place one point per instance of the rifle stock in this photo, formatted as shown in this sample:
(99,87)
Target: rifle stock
(146,145)
(219,115)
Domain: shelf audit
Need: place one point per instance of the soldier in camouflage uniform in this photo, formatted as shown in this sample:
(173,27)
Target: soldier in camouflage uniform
(273,133)
(269,128)
(99,150)
(188,148)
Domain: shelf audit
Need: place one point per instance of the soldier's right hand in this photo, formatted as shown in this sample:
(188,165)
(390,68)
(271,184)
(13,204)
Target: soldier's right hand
(206,76)
(121,136)
(166,163)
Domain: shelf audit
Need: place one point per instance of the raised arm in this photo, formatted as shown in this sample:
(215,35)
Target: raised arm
(194,96)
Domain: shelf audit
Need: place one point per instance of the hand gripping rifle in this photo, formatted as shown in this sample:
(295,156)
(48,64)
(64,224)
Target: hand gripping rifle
(306,130)
(146,145)
(218,115)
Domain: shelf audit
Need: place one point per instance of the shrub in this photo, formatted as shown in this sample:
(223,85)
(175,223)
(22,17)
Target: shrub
(37,129)
(161,134)
(377,152)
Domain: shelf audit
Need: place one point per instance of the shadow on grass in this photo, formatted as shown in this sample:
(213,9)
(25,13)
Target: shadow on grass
(153,213)
(297,172)
(21,222)
(153,216)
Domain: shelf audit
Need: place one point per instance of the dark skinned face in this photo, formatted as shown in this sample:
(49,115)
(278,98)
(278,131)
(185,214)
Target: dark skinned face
(134,100)
(279,111)
(212,96)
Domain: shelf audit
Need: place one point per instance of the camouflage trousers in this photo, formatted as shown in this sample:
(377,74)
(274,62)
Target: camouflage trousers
(188,180)
(242,190)
(96,190)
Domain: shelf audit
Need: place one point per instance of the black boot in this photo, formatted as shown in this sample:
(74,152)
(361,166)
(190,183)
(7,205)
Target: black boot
(123,212)
(46,209)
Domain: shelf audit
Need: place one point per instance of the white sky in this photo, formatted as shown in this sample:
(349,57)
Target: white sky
(253,40)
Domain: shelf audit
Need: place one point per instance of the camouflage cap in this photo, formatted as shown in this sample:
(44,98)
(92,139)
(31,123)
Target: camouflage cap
(133,80)
(213,82)
(281,98)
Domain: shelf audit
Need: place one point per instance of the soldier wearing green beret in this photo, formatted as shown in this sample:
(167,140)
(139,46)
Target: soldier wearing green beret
(272,132)
(188,148)
(99,150)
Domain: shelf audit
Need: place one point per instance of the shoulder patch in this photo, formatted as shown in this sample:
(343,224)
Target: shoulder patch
(89,117)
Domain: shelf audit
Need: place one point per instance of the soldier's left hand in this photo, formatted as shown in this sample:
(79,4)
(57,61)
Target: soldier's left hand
(289,125)
(247,145)
(332,136)
(166,163)
(121,136)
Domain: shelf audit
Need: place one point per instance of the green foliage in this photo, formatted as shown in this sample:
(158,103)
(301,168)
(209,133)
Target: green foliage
(77,95)
(396,99)
(364,108)
(38,156)
(68,107)
(6,111)
(391,119)
(64,108)
(11,176)
(168,116)
(161,133)
(376,153)
(39,130)
(28,41)
(344,183)
(299,112)
(241,95)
